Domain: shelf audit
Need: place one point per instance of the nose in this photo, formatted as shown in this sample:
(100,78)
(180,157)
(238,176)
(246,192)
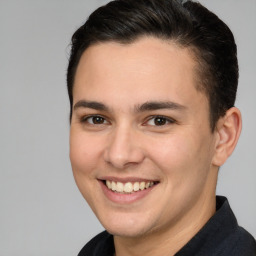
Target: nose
(123,149)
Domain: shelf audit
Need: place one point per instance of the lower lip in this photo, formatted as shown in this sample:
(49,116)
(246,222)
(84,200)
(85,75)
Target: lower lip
(124,198)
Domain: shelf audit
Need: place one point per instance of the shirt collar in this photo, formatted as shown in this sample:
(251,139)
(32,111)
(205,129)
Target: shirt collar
(222,224)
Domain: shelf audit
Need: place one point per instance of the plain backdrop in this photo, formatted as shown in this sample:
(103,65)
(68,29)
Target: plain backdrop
(41,210)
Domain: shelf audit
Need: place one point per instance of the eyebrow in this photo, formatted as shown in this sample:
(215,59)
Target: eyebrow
(91,104)
(155,105)
(147,106)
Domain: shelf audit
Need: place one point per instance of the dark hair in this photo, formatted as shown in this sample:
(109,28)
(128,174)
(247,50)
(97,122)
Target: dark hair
(187,23)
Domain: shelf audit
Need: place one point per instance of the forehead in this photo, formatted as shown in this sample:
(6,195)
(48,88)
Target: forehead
(160,69)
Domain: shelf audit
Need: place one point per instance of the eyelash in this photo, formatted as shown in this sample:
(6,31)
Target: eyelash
(164,119)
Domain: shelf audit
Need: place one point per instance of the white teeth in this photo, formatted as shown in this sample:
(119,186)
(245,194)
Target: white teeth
(142,185)
(128,187)
(136,186)
(113,186)
(119,187)
(108,183)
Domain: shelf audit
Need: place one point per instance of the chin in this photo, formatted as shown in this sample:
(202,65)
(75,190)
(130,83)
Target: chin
(126,226)
(128,232)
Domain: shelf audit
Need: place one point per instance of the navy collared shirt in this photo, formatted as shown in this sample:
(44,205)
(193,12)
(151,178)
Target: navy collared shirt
(221,236)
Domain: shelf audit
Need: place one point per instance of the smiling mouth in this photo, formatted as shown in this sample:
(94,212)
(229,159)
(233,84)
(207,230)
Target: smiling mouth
(128,187)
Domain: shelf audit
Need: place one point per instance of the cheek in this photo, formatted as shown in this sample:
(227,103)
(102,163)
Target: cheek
(181,158)
(84,160)
(84,152)
(172,151)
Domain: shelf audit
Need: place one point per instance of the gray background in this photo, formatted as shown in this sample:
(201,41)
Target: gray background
(41,210)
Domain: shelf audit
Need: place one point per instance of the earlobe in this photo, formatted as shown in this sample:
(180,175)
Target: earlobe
(228,131)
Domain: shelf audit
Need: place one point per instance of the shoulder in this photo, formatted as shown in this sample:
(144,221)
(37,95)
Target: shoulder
(240,242)
(231,238)
(236,241)
(102,244)
(221,236)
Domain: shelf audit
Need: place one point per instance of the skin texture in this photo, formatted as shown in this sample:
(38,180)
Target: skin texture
(127,143)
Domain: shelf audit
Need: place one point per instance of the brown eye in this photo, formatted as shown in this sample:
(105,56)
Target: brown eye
(160,121)
(98,120)
(95,120)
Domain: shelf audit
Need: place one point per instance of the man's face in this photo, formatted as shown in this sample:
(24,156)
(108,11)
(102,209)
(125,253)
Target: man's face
(140,127)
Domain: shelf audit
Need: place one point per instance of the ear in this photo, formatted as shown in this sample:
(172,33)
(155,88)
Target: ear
(228,131)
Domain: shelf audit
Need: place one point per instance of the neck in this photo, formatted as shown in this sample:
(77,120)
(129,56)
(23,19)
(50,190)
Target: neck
(169,241)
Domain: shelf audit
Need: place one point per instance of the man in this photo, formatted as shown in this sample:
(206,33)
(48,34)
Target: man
(152,86)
